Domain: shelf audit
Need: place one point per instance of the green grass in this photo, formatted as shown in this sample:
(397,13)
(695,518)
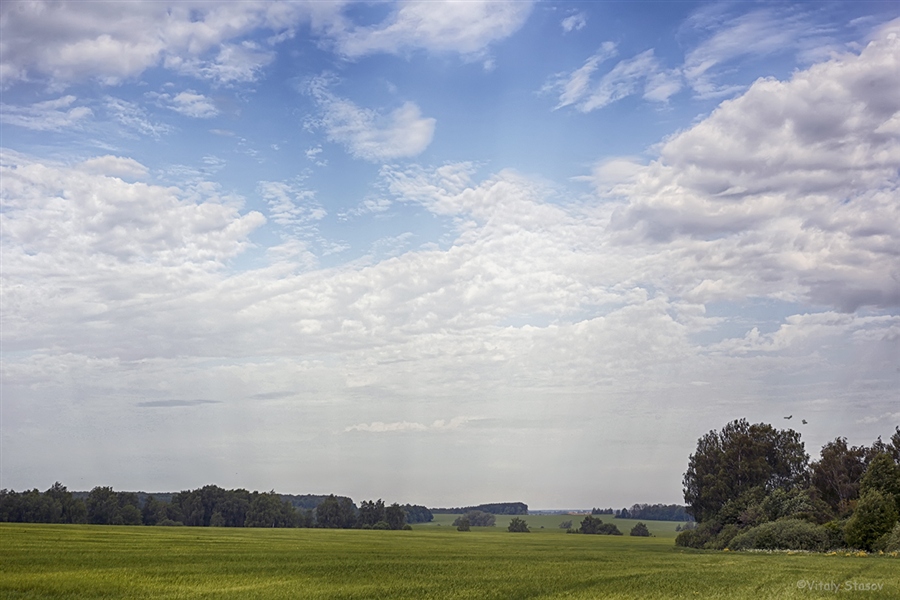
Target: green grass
(66,561)
(550,523)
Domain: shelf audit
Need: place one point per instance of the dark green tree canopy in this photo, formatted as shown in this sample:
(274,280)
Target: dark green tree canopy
(740,457)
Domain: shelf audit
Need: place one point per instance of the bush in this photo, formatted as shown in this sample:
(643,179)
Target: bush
(784,534)
(462,524)
(640,530)
(517,525)
(566,524)
(889,542)
(699,536)
(875,515)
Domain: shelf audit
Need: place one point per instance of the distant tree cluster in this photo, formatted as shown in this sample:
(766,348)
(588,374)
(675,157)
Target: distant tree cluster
(476,518)
(517,525)
(500,508)
(594,526)
(752,486)
(209,506)
(602,511)
(640,530)
(655,512)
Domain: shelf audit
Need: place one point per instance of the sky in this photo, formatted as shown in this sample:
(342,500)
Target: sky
(442,253)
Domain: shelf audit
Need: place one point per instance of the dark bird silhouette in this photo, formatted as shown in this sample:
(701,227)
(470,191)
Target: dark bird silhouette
(803,421)
(790,417)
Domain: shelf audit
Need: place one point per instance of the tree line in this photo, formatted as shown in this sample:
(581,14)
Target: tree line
(498,508)
(648,512)
(753,486)
(209,506)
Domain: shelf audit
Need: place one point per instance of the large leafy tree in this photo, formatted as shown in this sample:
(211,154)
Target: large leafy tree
(838,472)
(739,458)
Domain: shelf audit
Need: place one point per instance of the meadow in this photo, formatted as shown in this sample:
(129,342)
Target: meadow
(431,561)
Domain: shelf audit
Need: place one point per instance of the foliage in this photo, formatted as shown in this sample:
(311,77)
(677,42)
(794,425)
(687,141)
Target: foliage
(477,518)
(462,524)
(741,457)
(875,515)
(593,525)
(336,513)
(889,542)
(498,508)
(837,474)
(640,530)
(395,516)
(783,534)
(566,524)
(654,512)
(882,475)
(416,513)
(517,525)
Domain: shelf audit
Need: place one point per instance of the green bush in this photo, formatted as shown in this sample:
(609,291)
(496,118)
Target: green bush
(640,530)
(517,525)
(875,515)
(889,542)
(784,534)
(700,536)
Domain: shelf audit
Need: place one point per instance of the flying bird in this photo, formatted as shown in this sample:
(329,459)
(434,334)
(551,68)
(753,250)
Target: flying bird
(790,417)
(803,421)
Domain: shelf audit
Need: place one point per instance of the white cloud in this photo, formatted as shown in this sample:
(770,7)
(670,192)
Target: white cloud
(51,115)
(793,181)
(367,134)
(116,41)
(134,118)
(192,104)
(627,77)
(290,205)
(758,33)
(115,166)
(467,28)
(574,22)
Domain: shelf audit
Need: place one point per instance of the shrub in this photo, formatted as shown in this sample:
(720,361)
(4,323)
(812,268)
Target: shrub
(875,515)
(640,530)
(462,524)
(889,542)
(566,524)
(517,525)
(784,534)
(699,536)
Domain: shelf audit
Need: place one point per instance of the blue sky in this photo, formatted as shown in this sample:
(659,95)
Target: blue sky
(441,252)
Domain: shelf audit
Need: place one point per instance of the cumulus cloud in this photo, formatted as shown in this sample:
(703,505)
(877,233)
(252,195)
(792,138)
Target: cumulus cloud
(467,28)
(290,205)
(368,134)
(794,179)
(188,103)
(116,166)
(50,115)
(113,42)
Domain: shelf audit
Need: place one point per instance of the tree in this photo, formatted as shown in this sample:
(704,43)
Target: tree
(395,516)
(837,474)
(640,530)
(875,515)
(740,457)
(102,506)
(370,513)
(477,518)
(462,524)
(517,525)
(882,475)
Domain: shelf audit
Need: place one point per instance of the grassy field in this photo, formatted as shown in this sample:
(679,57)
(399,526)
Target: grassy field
(434,561)
(550,523)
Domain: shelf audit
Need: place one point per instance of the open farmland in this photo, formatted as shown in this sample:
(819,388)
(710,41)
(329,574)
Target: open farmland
(65,561)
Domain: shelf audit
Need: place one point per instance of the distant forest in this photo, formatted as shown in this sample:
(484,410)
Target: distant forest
(648,512)
(209,506)
(499,508)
